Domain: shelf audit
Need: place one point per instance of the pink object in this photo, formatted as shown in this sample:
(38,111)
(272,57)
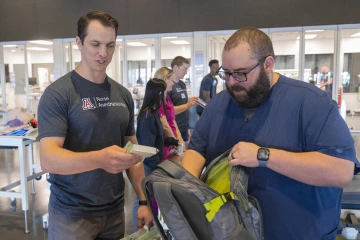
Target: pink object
(170,117)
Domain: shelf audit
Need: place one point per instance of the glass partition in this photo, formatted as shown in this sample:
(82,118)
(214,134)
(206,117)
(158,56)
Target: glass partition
(40,70)
(215,46)
(350,75)
(287,53)
(350,69)
(319,59)
(140,54)
(173,46)
(15,76)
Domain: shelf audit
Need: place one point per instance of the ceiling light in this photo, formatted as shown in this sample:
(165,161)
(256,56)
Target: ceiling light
(13,50)
(37,49)
(308,36)
(314,30)
(66,46)
(180,42)
(10,45)
(168,37)
(75,47)
(136,44)
(356,35)
(42,42)
(118,40)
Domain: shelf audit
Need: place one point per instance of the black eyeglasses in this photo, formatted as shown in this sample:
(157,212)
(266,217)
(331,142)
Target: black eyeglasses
(238,76)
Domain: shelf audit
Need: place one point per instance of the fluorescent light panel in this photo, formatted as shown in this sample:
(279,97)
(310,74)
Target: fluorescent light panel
(118,40)
(42,42)
(314,30)
(169,37)
(180,42)
(37,49)
(308,36)
(136,44)
(10,45)
(356,35)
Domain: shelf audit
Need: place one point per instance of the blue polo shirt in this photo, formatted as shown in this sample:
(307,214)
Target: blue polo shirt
(296,117)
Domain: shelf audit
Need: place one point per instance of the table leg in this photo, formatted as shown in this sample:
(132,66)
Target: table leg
(31,167)
(26,222)
(23,183)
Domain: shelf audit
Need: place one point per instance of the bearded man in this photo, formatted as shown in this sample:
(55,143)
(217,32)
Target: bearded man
(298,150)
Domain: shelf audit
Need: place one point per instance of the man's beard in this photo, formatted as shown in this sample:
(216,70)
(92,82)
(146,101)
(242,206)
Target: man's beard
(255,95)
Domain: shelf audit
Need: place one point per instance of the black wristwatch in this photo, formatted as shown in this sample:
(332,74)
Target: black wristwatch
(263,155)
(141,203)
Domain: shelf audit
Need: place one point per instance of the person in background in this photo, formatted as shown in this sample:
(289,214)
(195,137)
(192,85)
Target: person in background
(326,79)
(208,85)
(85,119)
(167,112)
(179,96)
(149,131)
(288,133)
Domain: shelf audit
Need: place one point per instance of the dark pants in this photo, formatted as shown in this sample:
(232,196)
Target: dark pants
(68,227)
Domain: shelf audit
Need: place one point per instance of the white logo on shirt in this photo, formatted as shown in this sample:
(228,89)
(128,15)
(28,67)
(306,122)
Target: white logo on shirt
(100,102)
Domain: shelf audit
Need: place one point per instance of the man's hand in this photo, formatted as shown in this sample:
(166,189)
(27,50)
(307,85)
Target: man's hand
(192,102)
(244,154)
(144,217)
(115,160)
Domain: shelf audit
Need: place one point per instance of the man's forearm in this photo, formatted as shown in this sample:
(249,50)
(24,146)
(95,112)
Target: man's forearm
(181,108)
(312,168)
(136,175)
(193,162)
(62,161)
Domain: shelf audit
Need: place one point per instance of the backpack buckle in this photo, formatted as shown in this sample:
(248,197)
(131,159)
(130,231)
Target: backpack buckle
(228,196)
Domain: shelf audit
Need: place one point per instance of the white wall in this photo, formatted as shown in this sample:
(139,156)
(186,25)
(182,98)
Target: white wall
(287,47)
(139,53)
(319,46)
(351,45)
(169,52)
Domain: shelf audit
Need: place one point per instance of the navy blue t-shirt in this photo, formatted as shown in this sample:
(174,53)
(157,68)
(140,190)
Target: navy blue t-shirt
(208,84)
(296,117)
(179,96)
(149,132)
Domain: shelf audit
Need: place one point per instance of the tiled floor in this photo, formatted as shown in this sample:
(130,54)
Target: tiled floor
(12,223)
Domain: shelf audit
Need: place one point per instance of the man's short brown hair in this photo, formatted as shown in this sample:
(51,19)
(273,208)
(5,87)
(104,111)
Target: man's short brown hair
(178,61)
(260,43)
(104,18)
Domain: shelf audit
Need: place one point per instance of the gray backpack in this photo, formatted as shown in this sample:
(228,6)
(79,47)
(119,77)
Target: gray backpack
(194,210)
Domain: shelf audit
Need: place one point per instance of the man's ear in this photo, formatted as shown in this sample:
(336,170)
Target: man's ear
(78,42)
(269,64)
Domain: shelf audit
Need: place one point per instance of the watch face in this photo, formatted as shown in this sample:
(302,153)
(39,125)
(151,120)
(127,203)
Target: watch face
(263,154)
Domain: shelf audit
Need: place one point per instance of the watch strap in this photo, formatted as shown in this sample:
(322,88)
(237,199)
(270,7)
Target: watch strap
(262,163)
(142,203)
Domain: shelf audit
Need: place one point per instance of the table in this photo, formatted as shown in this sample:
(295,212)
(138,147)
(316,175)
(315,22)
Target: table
(21,142)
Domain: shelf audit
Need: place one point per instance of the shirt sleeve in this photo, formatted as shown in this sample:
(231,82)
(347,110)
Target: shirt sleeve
(161,111)
(207,84)
(199,137)
(52,114)
(146,132)
(130,130)
(327,131)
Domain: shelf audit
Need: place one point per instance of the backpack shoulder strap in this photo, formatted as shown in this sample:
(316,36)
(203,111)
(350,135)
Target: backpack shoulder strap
(173,168)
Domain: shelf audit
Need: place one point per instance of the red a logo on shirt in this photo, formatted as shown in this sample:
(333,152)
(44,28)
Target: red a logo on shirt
(87,104)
